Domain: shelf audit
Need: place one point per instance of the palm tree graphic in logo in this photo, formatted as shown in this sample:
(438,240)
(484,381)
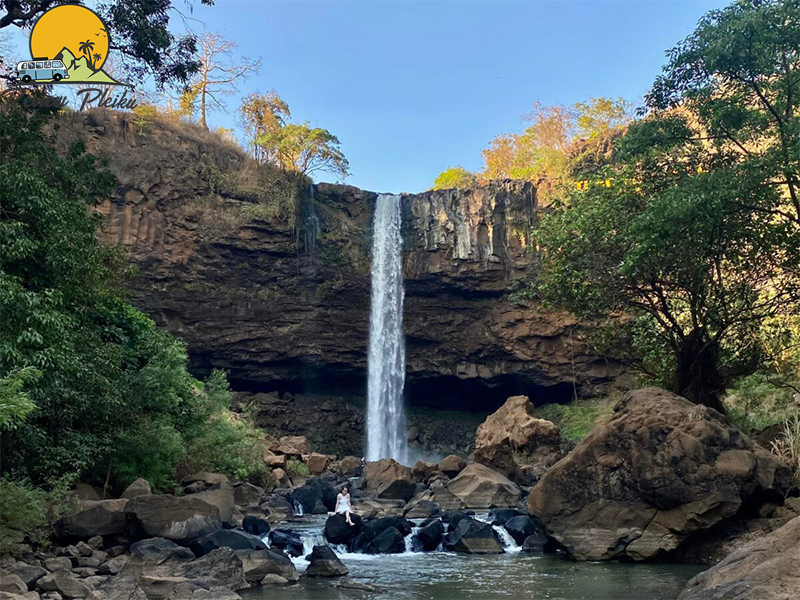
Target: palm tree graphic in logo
(77,37)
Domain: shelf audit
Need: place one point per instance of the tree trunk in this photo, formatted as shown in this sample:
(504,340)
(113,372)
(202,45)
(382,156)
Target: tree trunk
(697,376)
(203,107)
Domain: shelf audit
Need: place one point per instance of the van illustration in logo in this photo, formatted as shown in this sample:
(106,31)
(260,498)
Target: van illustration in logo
(69,44)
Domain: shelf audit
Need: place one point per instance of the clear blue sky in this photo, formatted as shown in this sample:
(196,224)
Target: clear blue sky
(413,87)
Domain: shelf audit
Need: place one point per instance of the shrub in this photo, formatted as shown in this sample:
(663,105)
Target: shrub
(296,467)
(27,514)
(787,446)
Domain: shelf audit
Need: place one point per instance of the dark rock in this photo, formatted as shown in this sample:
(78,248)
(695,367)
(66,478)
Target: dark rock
(258,564)
(63,583)
(113,566)
(11,584)
(337,531)
(29,574)
(218,567)
(388,541)
(372,528)
(255,525)
(103,517)
(537,542)
(181,520)
(247,493)
(323,562)
(661,470)
(520,528)
(288,541)
(453,518)
(499,516)
(277,508)
(227,538)
(317,497)
(430,535)
(473,537)
(158,551)
(57,563)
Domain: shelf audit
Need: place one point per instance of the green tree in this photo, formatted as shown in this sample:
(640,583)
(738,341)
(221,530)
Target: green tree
(305,150)
(103,393)
(263,115)
(699,232)
(454,177)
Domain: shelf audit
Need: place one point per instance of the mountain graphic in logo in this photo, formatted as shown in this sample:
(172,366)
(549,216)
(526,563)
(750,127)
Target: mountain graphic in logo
(80,71)
(69,44)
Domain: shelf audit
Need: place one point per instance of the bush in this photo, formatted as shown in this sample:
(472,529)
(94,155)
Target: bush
(296,467)
(787,446)
(27,514)
(757,401)
(578,418)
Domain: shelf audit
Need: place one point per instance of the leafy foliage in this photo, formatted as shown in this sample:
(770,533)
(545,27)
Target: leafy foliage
(700,230)
(454,177)
(304,149)
(107,396)
(27,514)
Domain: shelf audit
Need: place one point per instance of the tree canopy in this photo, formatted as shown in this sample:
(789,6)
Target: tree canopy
(454,177)
(698,236)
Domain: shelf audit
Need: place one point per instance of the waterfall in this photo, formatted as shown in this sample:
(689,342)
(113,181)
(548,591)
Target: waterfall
(386,423)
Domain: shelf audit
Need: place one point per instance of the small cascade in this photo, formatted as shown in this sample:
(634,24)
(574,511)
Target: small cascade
(509,544)
(412,546)
(386,366)
(298,509)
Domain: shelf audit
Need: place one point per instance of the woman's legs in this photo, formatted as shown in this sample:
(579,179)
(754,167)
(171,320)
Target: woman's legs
(347,517)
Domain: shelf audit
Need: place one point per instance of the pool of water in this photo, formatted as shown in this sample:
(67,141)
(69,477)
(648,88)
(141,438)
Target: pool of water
(446,575)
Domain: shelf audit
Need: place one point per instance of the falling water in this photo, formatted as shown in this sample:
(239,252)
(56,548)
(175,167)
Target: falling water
(386,423)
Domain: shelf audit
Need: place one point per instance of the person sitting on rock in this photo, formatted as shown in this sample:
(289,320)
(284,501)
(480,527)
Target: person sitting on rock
(343,505)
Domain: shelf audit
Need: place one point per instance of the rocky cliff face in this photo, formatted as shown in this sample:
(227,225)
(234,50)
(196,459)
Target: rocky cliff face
(270,280)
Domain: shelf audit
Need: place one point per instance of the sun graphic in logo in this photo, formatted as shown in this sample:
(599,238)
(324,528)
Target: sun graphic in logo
(69,44)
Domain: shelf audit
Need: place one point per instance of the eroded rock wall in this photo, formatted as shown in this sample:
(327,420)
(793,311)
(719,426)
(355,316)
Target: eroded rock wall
(270,280)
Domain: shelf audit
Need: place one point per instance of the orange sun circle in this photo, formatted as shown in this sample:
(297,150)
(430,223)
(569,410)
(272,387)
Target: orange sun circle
(75,28)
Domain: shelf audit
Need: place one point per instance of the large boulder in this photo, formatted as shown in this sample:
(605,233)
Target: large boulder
(245,494)
(221,496)
(29,574)
(513,436)
(316,463)
(220,567)
(350,466)
(287,540)
(765,569)
(140,487)
(478,486)
(337,531)
(520,528)
(324,563)
(430,535)
(317,497)
(258,564)
(473,537)
(291,445)
(226,538)
(156,556)
(444,498)
(91,518)
(387,478)
(388,541)
(422,506)
(65,584)
(181,520)
(11,583)
(659,471)
(255,525)
(452,465)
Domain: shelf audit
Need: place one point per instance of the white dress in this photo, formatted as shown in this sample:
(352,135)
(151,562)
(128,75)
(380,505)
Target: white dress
(343,505)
